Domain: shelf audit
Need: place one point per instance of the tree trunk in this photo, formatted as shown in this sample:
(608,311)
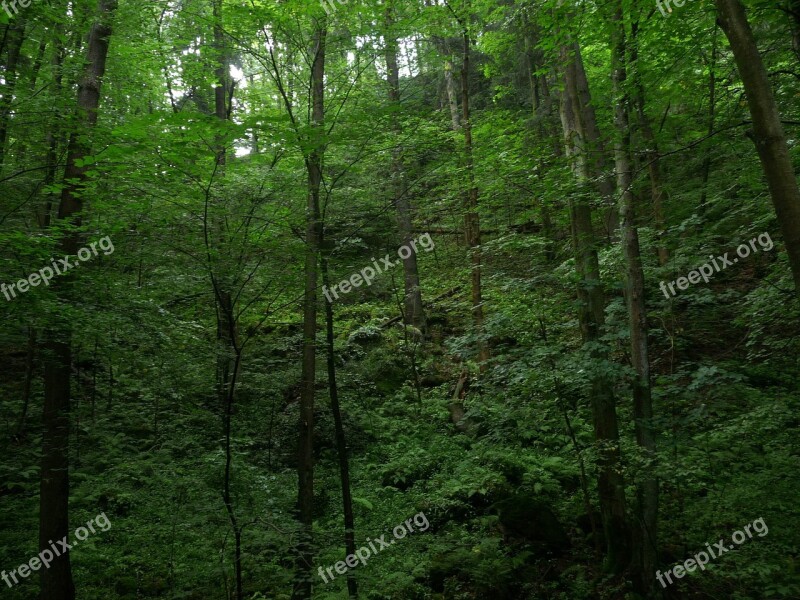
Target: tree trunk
(530,67)
(24,142)
(44,211)
(452,94)
(577,446)
(591,315)
(645,532)
(712,107)
(303,584)
(472,226)
(56,582)
(341,442)
(651,154)
(542,104)
(412,301)
(229,350)
(768,135)
(16,39)
(30,368)
(595,148)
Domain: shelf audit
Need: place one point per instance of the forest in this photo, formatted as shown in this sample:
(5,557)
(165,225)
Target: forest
(423,300)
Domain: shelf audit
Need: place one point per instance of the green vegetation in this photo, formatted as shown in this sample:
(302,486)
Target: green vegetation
(566,427)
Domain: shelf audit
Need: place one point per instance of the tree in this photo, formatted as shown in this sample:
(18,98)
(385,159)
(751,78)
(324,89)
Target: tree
(414,313)
(645,532)
(472,225)
(341,440)
(56,582)
(16,39)
(229,350)
(305,467)
(611,484)
(767,134)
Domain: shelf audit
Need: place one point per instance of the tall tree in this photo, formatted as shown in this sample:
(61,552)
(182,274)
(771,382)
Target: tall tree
(452,93)
(596,148)
(56,582)
(341,440)
(591,314)
(712,107)
(414,313)
(229,350)
(645,546)
(472,225)
(305,467)
(16,35)
(768,134)
(651,153)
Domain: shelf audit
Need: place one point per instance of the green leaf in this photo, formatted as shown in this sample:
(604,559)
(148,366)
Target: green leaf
(364,502)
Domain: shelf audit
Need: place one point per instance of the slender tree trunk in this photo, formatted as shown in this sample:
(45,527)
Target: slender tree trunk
(542,105)
(418,49)
(645,544)
(596,149)
(229,350)
(530,68)
(226,494)
(472,226)
(4,37)
(412,300)
(30,368)
(16,39)
(56,582)
(712,107)
(577,446)
(768,135)
(452,94)
(44,211)
(651,153)
(341,442)
(591,315)
(303,584)
(254,148)
(24,142)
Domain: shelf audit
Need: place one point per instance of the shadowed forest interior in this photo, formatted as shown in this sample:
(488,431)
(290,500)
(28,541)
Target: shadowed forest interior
(425,300)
